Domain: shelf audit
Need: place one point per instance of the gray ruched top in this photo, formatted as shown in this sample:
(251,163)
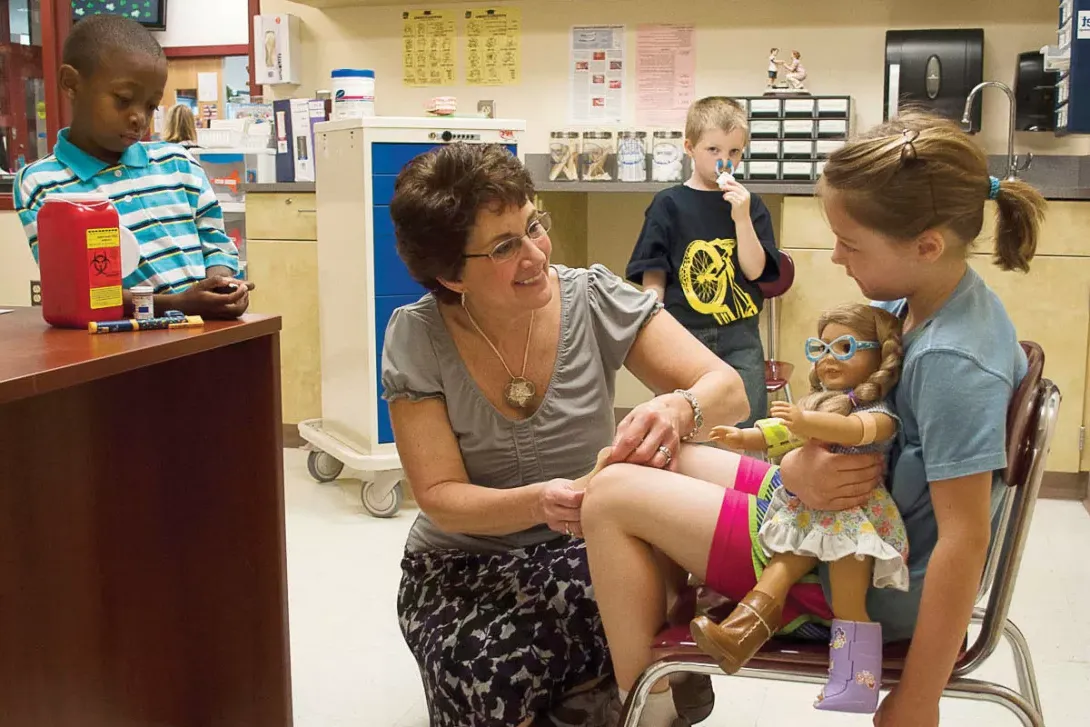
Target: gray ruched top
(601,315)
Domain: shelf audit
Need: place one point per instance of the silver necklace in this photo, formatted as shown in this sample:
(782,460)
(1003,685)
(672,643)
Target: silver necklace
(520,391)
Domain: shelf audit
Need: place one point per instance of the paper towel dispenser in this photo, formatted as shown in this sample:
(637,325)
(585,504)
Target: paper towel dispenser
(1035,93)
(935,69)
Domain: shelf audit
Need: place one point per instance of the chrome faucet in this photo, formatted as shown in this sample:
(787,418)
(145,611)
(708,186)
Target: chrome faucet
(966,120)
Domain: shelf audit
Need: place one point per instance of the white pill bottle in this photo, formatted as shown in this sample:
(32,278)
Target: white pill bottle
(353,93)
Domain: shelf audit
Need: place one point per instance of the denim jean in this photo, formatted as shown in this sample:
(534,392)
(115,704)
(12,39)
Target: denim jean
(740,346)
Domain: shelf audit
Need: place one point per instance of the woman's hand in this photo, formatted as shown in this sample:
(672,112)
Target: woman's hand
(559,507)
(897,712)
(827,481)
(648,435)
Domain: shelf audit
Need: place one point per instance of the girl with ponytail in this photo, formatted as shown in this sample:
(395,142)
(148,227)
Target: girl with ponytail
(906,202)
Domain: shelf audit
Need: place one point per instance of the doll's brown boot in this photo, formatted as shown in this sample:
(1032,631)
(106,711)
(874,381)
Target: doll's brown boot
(734,641)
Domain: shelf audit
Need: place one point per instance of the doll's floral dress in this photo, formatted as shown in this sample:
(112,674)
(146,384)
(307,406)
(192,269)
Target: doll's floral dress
(874,529)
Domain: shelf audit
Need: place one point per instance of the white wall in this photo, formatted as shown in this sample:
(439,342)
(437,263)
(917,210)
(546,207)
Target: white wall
(206,22)
(842,44)
(17,266)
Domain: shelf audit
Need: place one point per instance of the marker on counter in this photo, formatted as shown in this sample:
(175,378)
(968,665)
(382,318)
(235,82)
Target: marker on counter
(173,319)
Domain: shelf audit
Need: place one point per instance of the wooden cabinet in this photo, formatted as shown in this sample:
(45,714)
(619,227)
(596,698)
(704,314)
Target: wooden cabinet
(276,216)
(819,284)
(282,255)
(1050,305)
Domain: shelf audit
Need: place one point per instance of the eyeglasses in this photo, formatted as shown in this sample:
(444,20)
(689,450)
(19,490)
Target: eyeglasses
(507,249)
(842,348)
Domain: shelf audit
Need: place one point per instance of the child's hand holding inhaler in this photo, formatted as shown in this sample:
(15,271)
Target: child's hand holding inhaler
(733,192)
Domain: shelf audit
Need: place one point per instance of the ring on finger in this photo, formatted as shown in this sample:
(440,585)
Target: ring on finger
(666,453)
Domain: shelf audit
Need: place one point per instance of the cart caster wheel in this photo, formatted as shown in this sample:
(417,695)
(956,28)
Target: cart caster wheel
(324,467)
(380,506)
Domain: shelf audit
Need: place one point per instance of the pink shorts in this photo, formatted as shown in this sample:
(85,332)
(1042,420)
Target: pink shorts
(736,559)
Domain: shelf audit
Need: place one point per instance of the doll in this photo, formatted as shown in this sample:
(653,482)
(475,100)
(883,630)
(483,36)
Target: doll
(856,362)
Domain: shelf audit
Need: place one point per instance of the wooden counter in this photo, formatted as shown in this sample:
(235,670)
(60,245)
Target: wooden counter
(142,565)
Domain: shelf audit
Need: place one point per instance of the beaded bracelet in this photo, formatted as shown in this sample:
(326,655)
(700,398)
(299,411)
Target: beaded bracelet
(698,415)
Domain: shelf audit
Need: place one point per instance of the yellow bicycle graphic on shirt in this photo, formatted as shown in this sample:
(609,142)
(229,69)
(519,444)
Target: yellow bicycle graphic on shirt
(707,276)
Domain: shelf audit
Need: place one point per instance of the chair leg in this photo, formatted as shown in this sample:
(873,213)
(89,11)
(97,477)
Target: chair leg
(1023,664)
(981,691)
(632,710)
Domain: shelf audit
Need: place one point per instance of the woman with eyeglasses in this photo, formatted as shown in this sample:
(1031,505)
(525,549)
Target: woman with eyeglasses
(500,383)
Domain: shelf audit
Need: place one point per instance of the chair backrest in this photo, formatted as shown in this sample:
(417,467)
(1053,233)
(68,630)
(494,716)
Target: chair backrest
(1031,420)
(779,286)
(1021,414)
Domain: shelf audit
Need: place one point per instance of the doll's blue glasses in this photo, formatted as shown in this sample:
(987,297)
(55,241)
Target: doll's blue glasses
(842,348)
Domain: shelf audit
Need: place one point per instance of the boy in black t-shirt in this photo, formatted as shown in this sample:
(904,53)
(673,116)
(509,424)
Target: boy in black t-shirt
(705,245)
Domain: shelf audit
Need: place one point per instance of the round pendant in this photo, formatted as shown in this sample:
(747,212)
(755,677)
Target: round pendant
(519,392)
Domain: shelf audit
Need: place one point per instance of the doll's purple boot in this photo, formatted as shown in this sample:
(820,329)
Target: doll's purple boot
(855,668)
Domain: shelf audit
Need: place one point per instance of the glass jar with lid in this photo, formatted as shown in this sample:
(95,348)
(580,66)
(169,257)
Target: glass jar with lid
(597,157)
(632,156)
(667,156)
(564,156)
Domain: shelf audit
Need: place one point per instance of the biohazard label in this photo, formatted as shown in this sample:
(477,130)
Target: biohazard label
(104,267)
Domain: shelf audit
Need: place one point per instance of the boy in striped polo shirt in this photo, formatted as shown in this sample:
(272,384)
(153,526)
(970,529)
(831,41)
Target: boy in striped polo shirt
(114,73)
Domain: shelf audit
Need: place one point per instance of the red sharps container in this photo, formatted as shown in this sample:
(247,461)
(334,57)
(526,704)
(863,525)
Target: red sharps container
(79,257)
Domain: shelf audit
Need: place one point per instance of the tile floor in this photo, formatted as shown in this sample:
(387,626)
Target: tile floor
(350,667)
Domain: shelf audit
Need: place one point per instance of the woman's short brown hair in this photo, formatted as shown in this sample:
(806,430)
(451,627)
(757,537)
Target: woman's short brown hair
(436,200)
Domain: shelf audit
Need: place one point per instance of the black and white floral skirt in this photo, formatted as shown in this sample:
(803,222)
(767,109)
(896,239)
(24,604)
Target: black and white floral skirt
(501,637)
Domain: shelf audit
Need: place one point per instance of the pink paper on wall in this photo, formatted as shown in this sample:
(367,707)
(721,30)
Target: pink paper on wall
(665,74)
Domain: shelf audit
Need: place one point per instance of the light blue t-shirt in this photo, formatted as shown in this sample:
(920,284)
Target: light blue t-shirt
(960,370)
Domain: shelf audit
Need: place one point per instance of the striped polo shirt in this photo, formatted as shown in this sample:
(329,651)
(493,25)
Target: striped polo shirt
(161,195)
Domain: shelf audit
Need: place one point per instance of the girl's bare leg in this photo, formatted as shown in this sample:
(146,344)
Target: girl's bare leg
(707,463)
(629,511)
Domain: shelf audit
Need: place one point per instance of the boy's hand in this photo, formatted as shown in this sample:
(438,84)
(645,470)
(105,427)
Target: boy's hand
(202,300)
(738,196)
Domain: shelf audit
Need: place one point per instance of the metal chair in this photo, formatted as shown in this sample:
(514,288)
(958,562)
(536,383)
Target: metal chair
(1031,420)
(777,373)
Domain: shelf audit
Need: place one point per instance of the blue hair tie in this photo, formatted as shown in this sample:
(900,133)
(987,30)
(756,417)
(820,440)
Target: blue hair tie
(993,191)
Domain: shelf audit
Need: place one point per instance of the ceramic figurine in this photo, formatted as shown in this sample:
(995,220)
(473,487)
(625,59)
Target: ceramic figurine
(773,63)
(796,74)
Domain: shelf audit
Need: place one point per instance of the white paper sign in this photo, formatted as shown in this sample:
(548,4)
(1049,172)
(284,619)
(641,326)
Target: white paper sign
(596,74)
(1083,24)
(208,87)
